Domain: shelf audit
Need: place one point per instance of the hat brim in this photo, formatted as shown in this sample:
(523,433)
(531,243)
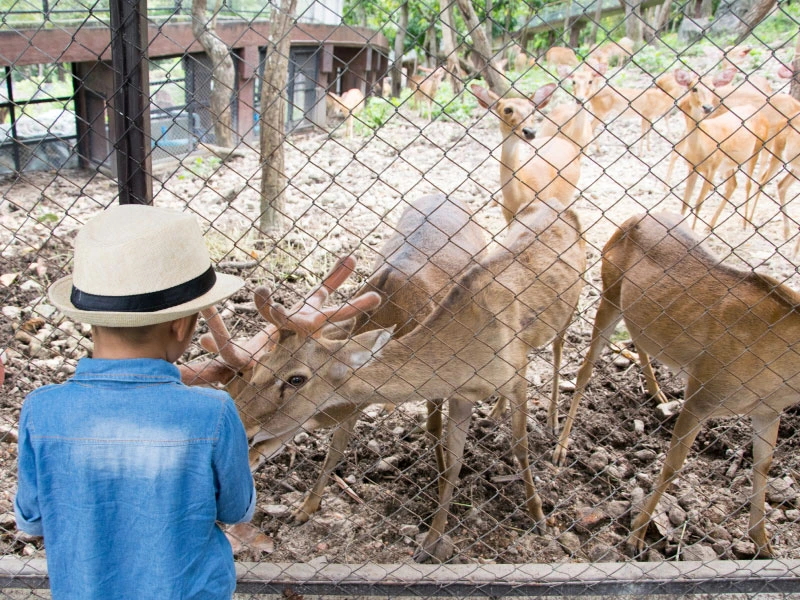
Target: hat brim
(60,292)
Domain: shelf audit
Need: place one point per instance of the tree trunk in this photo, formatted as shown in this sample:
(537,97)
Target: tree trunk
(731,14)
(399,47)
(598,15)
(753,17)
(634,21)
(449,43)
(273,116)
(489,32)
(662,18)
(491,72)
(222,73)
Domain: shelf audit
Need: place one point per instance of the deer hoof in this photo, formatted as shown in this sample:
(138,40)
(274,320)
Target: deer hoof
(437,551)
(560,455)
(300,516)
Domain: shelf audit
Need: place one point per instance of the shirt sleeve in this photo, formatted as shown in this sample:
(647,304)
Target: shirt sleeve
(236,494)
(26,502)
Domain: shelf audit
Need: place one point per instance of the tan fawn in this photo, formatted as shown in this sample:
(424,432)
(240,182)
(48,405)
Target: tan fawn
(732,333)
(424,88)
(530,166)
(611,52)
(349,104)
(606,100)
(716,145)
(473,345)
(559,55)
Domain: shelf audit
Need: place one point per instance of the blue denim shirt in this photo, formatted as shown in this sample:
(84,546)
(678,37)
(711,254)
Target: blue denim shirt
(126,471)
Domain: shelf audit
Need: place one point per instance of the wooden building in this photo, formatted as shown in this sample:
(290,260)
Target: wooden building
(323,57)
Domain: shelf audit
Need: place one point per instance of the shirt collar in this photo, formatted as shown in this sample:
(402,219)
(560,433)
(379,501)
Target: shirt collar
(129,369)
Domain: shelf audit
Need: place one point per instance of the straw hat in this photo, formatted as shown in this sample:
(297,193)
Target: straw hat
(137,265)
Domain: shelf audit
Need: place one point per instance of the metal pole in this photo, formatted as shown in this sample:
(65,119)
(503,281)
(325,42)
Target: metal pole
(131,104)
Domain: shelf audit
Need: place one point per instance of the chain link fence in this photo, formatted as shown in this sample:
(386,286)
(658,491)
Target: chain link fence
(476,161)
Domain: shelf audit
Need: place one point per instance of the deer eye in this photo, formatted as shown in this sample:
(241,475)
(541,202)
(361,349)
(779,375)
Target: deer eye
(694,90)
(296,380)
(508,110)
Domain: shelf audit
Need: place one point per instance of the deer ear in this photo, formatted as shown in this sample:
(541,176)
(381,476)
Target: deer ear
(564,71)
(785,72)
(683,77)
(542,96)
(366,346)
(724,78)
(485,97)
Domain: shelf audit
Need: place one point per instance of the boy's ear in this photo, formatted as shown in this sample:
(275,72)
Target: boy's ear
(183,328)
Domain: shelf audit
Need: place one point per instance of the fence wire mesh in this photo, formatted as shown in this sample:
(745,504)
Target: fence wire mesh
(478,161)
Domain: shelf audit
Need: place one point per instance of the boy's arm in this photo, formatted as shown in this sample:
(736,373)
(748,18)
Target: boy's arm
(236,494)
(26,502)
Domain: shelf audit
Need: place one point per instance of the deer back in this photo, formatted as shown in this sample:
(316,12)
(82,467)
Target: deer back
(735,331)
(435,240)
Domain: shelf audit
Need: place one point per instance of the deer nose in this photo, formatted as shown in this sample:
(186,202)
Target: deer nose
(707,108)
(529,133)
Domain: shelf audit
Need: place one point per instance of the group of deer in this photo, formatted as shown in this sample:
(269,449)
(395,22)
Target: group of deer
(447,319)
(729,124)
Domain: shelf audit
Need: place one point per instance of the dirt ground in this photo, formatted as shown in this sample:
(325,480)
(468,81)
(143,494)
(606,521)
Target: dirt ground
(343,197)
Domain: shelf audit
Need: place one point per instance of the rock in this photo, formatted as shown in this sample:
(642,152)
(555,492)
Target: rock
(374,446)
(622,362)
(386,465)
(398,431)
(301,438)
(669,409)
(589,518)
(570,542)
(6,279)
(12,312)
(638,427)
(277,511)
(29,285)
(617,509)
(566,385)
(604,553)
(677,516)
(411,531)
(781,491)
(645,456)
(44,310)
(598,460)
(700,552)
(743,549)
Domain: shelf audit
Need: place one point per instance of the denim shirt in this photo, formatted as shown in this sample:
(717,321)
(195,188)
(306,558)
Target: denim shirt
(125,471)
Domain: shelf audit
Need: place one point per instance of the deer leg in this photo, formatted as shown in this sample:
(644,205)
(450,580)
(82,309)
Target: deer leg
(434,428)
(653,388)
(519,447)
(436,547)
(727,194)
(691,181)
(608,315)
(783,189)
(769,170)
(499,409)
(765,435)
(341,437)
(686,429)
(672,158)
(749,212)
(552,411)
(705,192)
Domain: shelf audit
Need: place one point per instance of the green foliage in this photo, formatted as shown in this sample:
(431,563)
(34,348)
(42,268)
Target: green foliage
(376,114)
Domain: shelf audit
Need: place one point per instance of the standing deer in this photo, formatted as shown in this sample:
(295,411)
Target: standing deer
(732,333)
(723,144)
(559,55)
(530,167)
(474,344)
(425,86)
(349,104)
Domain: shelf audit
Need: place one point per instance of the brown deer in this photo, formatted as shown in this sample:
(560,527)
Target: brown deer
(425,86)
(435,240)
(349,104)
(723,144)
(530,167)
(559,55)
(474,344)
(732,333)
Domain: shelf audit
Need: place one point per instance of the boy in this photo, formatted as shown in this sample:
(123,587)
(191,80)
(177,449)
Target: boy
(122,469)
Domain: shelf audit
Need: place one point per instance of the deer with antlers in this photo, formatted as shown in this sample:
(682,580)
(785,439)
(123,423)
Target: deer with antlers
(434,240)
(732,333)
(530,167)
(473,344)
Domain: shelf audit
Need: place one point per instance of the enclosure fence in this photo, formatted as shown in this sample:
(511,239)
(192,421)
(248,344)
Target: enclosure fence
(579,218)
